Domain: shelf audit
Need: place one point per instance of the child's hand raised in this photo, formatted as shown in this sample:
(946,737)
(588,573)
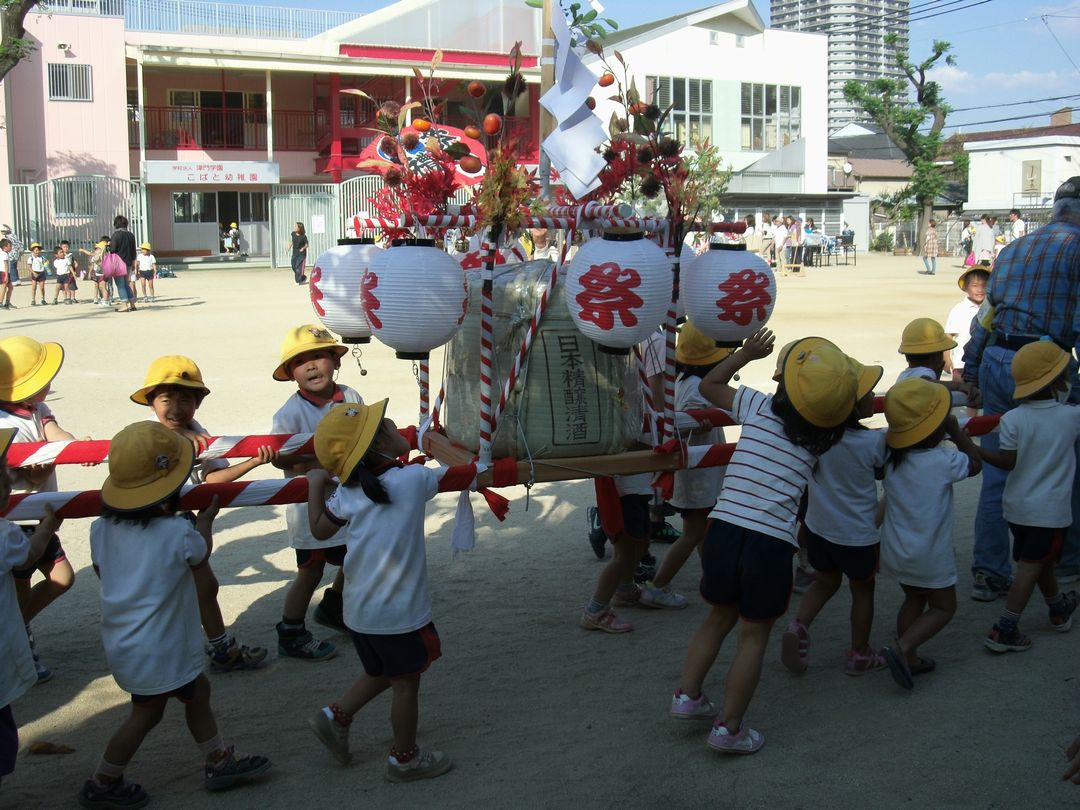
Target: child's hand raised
(200,440)
(267,455)
(760,344)
(204,520)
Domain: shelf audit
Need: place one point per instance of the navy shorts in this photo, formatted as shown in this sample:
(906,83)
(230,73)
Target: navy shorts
(185,693)
(9,741)
(854,562)
(635,515)
(335,555)
(748,569)
(54,553)
(1035,544)
(395,656)
(146,275)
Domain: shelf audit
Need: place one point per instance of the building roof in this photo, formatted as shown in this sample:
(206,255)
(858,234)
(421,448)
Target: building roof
(742,10)
(876,146)
(876,167)
(1070,130)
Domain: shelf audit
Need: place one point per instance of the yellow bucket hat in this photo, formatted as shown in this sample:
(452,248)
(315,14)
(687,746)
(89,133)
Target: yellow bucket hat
(345,434)
(960,282)
(914,409)
(924,336)
(867,377)
(780,355)
(7,436)
(144,246)
(172,369)
(697,349)
(1036,365)
(302,339)
(819,381)
(27,366)
(147,463)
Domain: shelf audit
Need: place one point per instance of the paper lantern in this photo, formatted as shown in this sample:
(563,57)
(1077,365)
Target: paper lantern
(729,293)
(414,297)
(335,288)
(618,288)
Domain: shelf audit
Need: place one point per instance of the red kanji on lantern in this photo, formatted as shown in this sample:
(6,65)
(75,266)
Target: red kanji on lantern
(370,302)
(608,289)
(746,297)
(475,259)
(316,293)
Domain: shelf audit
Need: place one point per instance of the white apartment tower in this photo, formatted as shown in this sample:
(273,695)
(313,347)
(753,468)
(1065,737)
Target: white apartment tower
(857,50)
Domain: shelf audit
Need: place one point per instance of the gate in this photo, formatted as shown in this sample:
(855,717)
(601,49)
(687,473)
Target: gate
(79,208)
(315,205)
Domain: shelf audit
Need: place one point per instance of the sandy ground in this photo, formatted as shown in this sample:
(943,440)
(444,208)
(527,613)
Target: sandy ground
(534,710)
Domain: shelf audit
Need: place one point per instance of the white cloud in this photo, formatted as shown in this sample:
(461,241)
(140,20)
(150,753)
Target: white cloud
(952,78)
(1023,78)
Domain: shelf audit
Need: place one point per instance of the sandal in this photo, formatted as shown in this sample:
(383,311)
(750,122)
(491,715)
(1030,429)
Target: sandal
(795,647)
(898,666)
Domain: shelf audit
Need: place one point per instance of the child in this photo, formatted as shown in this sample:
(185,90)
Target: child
(923,344)
(74,272)
(746,558)
(16,661)
(146,266)
(62,268)
(310,358)
(958,324)
(695,491)
(174,389)
(917,533)
(143,550)
(5,274)
(379,508)
(39,273)
(1037,441)
(101,284)
(27,369)
(841,534)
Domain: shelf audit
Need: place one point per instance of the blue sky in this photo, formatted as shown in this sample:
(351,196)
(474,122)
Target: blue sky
(1004,51)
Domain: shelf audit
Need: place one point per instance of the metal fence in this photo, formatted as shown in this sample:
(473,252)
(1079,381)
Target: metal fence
(79,209)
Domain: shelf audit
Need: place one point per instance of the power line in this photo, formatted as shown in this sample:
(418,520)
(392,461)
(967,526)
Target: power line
(1015,103)
(896,16)
(1013,118)
(1058,41)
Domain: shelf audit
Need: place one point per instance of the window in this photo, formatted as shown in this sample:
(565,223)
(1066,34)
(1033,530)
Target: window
(771,116)
(69,82)
(194,206)
(691,105)
(254,206)
(254,108)
(183,98)
(74,198)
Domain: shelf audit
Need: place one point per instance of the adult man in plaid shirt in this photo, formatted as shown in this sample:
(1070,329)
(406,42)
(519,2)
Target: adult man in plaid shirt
(1033,292)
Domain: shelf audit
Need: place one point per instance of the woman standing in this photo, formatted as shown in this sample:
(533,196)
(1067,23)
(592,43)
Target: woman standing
(122,243)
(299,247)
(930,249)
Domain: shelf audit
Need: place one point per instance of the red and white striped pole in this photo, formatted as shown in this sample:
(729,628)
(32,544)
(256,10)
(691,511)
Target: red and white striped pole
(487,344)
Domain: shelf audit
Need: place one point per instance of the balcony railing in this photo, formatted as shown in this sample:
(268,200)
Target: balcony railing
(201,128)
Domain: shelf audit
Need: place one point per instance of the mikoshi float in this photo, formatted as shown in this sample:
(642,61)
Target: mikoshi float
(545,380)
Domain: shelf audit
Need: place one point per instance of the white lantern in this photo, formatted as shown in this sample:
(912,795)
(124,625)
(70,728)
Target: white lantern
(414,297)
(729,292)
(618,289)
(335,288)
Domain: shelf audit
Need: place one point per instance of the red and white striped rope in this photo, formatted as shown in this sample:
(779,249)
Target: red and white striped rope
(423,379)
(667,424)
(487,346)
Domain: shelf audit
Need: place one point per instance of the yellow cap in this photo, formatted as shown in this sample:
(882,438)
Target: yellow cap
(147,463)
(1036,365)
(819,381)
(232,224)
(144,246)
(914,409)
(867,377)
(780,355)
(345,434)
(102,243)
(697,349)
(7,436)
(35,245)
(27,366)
(960,282)
(172,369)
(924,336)
(306,338)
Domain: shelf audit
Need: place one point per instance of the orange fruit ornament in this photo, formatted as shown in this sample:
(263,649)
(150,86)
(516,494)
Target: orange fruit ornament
(606,80)
(472,131)
(492,123)
(470,164)
(421,124)
(476,89)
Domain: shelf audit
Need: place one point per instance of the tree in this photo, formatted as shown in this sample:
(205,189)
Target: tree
(14,45)
(904,120)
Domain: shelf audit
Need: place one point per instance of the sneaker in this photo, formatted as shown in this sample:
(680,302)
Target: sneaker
(331,734)
(1000,641)
(987,587)
(301,644)
(1061,616)
(646,569)
(54,303)
(118,794)
(44,674)
(654,597)
(597,538)
(234,769)
(606,621)
(795,647)
(33,303)
(745,741)
(330,611)
(665,533)
(627,598)
(804,578)
(425,765)
(684,707)
(236,656)
(859,663)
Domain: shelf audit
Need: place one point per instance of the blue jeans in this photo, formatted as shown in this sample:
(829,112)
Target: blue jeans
(13,270)
(930,263)
(123,287)
(991,553)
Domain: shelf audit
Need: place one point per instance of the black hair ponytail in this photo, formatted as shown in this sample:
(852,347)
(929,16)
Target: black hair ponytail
(364,478)
(801,433)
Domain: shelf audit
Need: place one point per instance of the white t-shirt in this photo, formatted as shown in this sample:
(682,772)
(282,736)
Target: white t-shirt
(842,494)
(767,474)
(1038,491)
(62,265)
(957,398)
(17,672)
(696,489)
(150,626)
(780,236)
(1019,228)
(37,263)
(29,427)
(4,257)
(385,568)
(917,535)
(145,263)
(959,323)
(300,415)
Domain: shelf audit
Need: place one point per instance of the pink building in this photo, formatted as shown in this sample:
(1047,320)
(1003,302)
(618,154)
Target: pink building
(187,115)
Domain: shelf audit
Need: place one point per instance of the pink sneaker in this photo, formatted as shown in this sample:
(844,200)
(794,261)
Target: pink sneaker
(745,741)
(606,621)
(795,647)
(627,598)
(859,663)
(684,707)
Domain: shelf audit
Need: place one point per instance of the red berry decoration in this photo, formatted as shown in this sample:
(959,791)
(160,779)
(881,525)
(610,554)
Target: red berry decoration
(470,164)
(492,123)
(606,80)
(476,89)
